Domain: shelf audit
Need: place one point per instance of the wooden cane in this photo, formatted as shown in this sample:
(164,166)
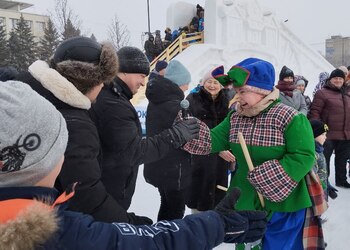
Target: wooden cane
(249,161)
(222,188)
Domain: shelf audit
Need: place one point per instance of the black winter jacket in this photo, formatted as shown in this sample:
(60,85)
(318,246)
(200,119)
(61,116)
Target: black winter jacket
(123,148)
(80,164)
(173,171)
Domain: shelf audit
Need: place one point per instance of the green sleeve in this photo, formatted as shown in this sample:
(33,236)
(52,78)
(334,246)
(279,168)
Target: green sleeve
(300,149)
(220,135)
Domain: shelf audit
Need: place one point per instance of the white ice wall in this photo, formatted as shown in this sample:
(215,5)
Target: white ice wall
(237,29)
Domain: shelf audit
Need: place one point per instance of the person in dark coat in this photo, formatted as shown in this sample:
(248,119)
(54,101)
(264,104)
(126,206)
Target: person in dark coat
(123,148)
(331,105)
(289,95)
(159,69)
(210,105)
(171,174)
(150,48)
(33,216)
(72,81)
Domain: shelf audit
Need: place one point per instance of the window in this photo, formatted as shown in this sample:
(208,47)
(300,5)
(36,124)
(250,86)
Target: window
(30,24)
(13,23)
(2,21)
(40,27)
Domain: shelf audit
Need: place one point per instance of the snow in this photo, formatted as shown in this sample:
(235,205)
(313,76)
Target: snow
(146,201)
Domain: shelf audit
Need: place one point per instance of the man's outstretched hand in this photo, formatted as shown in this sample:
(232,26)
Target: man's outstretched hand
(240,226)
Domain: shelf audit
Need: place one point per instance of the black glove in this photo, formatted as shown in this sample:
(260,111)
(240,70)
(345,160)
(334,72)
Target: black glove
(139,220)
(332,191)
(184,131)
(240,226)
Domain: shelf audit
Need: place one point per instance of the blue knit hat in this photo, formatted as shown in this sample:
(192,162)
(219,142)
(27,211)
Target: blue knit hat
(161,65)
(177,73)
(253,72)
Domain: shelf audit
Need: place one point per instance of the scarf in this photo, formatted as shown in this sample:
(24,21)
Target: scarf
(286,87)
(260,106)
(319,148)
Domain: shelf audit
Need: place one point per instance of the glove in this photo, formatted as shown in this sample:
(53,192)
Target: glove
(240,226)
(332,191)
(184,131)
(139,220)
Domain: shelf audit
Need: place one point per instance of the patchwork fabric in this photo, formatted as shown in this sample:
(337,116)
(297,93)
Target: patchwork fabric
(202,145)
(272,181)
(265,129)
(312,233)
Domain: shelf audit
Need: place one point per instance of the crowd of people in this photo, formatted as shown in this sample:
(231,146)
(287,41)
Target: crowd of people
(72,145)
(154,45)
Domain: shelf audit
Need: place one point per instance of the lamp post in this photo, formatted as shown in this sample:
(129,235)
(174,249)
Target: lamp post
(149,20)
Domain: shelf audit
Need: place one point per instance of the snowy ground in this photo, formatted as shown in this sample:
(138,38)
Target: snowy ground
(146,202)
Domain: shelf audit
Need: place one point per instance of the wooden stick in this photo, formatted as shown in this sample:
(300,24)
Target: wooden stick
(222,188)
(249,161)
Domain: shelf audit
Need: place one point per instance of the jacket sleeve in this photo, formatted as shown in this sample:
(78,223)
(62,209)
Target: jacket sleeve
(303,107)
(276,179)
(81,166)
(122,132)
(201,231)
(220,135)
(317,106)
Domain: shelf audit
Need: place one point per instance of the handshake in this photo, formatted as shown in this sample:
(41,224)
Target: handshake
(184,131)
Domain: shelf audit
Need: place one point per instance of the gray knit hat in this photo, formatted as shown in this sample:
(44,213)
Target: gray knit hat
(33,135)
(177,73)
(132,60)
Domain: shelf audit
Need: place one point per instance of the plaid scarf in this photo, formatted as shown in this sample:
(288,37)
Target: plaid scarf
(313,234)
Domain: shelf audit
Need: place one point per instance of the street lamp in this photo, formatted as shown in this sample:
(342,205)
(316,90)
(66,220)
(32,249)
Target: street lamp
(149,20)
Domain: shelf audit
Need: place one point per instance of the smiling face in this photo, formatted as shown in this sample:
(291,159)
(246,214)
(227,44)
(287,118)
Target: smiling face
(247,98)
(133,80)
(212,86)
(338,82)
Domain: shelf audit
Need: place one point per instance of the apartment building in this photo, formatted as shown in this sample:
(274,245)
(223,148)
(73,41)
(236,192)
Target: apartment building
(338,51)
(10,13)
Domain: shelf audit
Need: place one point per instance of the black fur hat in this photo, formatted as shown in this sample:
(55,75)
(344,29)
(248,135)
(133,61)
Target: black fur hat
(132,60)
(285,72)
(85,62)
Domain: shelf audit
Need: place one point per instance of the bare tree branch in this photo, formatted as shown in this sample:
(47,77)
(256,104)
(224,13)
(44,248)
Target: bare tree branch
(65,17)
(118,33)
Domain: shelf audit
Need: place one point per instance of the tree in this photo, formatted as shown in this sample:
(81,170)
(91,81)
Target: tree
(49,42)
(93,37)
(68,22)
(21,46)
(70,31)
(118,33)
(3,48)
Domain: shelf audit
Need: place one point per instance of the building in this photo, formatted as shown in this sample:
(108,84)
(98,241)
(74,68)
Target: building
(338,51)
(10,13)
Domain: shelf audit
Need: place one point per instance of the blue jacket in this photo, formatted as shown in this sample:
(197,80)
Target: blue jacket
(79,231)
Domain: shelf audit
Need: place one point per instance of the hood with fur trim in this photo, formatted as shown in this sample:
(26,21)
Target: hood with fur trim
(86,75)
(59,86)
(32,227)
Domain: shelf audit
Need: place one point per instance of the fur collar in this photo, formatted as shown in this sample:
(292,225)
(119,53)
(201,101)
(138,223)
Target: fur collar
(31,228)
(260,106)
(58,85)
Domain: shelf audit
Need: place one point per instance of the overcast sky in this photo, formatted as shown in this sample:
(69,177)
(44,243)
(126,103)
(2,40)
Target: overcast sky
(312,20)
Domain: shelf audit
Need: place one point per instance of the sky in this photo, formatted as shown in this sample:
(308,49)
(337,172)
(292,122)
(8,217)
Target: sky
(313,21)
